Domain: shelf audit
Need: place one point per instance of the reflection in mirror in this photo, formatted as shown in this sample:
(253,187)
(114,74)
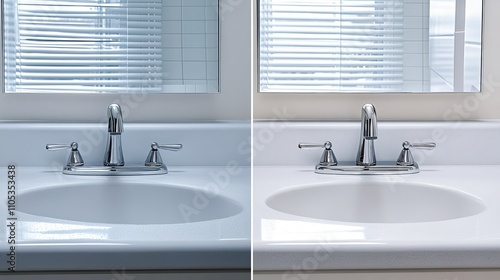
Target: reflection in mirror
(110,46)
(370,45)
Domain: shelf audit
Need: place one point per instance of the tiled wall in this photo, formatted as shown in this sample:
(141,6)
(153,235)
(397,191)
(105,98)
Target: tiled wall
(415,45)
(190,41)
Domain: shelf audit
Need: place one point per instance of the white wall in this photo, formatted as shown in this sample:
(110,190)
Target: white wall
(435,106)
(233,103)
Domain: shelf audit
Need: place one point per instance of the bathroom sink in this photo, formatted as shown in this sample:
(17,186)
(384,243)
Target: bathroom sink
(375,202)
(126,203)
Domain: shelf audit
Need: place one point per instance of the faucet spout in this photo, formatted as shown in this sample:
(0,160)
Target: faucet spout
(115,119)
(369,132)
(369,122)
(113,155)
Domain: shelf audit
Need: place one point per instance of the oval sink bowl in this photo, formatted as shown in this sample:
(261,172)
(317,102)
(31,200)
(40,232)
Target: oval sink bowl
(376,202)
(126,203)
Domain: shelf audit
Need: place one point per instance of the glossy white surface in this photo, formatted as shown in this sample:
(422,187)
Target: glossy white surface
(210,240)
(130,201)
(195,217)
(283,241)
(370,201)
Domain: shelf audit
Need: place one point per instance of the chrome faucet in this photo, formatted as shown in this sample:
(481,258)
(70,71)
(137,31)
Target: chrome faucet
(114,165)
(369,132)
(113,155)
(366,162)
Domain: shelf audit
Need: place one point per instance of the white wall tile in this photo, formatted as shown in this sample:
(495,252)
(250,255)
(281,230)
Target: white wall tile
(213,86)
(190,88)
(193,2)
(190,40)
(193,13)
(212,41)
(425,8)
(171,27)
(413,73)
(425,34)
(170,3)
(172,54)
(195,82)
(425,60)
(425,22)
(173,82)
(172,41)
(211,3)
(174,88)
(172,13)
(173,70)
(211,13)
(212,70)
(413,22)
(201,88)
(413,10)
(212,27)
(212,54)
(412,60)
(195,70)
(194,54)
(412,47)
(193,40)
(192,26)
(412,35)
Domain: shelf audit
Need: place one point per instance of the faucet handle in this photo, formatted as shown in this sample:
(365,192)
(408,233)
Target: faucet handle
(327,158)
(154,157)
(406,158)
(168,147)
(74,159)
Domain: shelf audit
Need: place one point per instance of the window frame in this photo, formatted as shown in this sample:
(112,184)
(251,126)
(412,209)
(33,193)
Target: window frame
(438,106)
(230,103)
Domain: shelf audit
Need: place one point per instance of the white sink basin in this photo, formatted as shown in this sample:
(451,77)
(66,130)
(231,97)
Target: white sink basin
(376,202)
(126,203)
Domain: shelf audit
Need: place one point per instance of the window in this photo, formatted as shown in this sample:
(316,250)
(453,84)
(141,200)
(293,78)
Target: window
(233,98)
(110,46)
(325,45)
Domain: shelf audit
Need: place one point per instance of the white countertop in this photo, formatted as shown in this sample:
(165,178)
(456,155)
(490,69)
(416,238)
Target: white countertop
(47,244)
(288,242)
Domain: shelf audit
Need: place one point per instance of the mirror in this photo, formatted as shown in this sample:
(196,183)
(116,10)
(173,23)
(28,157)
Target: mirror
(370,46)
(111,46)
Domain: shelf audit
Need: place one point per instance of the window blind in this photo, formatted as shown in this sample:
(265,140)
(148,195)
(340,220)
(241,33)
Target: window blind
(101,46)
(325,45)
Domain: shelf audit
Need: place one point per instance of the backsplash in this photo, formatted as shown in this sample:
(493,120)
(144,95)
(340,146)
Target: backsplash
(204,144)
(458,143)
